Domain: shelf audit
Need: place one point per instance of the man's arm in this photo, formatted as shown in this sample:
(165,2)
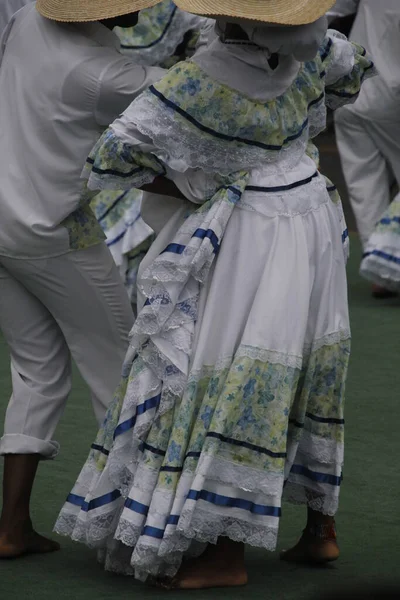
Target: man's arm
(120,83)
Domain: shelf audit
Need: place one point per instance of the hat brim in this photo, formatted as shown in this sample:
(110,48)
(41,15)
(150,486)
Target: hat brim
(282,12)
(80,11)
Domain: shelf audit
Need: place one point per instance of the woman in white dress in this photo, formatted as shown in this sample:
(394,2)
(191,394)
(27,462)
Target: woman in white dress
(233,388)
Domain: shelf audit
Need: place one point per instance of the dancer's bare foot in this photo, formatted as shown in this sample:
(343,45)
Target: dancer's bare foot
(16,544)
(318,545)
(220,566)
(382,293)
(311,550)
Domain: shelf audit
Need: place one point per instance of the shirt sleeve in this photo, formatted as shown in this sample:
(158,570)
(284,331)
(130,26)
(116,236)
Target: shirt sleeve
(119,85)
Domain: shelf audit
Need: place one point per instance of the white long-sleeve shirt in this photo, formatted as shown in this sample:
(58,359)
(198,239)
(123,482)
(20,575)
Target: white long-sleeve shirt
(61,85)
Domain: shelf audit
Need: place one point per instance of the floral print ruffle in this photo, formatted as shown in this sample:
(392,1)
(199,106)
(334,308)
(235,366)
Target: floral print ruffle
(241,430)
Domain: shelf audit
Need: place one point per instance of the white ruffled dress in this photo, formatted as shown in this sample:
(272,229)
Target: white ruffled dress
(232,392)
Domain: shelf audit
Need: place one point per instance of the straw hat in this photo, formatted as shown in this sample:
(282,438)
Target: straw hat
(90,10)
(283,12)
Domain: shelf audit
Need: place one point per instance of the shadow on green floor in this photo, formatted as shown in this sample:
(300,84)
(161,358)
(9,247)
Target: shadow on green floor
(368,522)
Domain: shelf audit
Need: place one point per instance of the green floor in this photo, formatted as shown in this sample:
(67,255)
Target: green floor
(369,517)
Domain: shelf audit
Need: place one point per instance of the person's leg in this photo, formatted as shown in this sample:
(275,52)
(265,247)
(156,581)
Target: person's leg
(318,544)
(41,379)
(365,169)
(84,293)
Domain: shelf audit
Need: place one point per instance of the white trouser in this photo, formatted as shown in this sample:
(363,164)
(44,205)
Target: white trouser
(50,309)
(368,137)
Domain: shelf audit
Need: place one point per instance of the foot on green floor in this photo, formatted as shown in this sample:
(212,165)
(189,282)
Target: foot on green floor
(13,545)
(312,549)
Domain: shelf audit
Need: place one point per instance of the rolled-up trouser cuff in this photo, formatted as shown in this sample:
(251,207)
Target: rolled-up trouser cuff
(17,443)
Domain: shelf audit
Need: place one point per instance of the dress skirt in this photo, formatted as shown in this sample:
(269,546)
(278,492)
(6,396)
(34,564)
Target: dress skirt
(261,415)
(381,261)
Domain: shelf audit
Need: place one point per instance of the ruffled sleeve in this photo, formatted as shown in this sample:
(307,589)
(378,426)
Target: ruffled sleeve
(114,164)
(346,66)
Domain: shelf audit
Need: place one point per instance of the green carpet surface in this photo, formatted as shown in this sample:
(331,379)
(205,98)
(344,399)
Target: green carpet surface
(368,521)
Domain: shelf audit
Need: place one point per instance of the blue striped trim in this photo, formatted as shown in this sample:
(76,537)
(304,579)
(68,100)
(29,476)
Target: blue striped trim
(384,255)
(154,532)
(331,92)
(137,507)
(173,520)
(174,249)
(327,49)
(325,420)
(158,40)
(282,188)
(387,221)
(208,234)
(143,446)
(331,188)
(227,501)
(171,469)
(253,447)
(114,172)
(140,410)
(224,136)
(117,239)
(95,503)
(345,235)
(110,208)
(315,476)
(100,449)
(317,100)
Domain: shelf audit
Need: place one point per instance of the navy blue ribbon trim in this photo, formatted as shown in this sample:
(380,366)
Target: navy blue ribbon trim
(326,51)
(100,449)
(140,410)
(331,188)
(281,188)
(117,239)
(95,503)
(345,235)
(340,94)
(227,501)
(137,507)
(247,445)
(171,469)
(224,136)
(203,234)
(315,476)
(384,255)
(154,532)
(174,248)
(143,446)
(324,420)
(110,208)
(158,40)
(117,173)
(387,221)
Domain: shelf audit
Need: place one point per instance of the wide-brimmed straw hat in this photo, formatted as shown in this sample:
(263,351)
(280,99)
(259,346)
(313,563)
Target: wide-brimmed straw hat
(283,12)
(90,10)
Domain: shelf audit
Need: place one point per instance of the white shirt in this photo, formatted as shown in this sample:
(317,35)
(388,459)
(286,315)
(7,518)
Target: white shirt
(61,85)
(7,9)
